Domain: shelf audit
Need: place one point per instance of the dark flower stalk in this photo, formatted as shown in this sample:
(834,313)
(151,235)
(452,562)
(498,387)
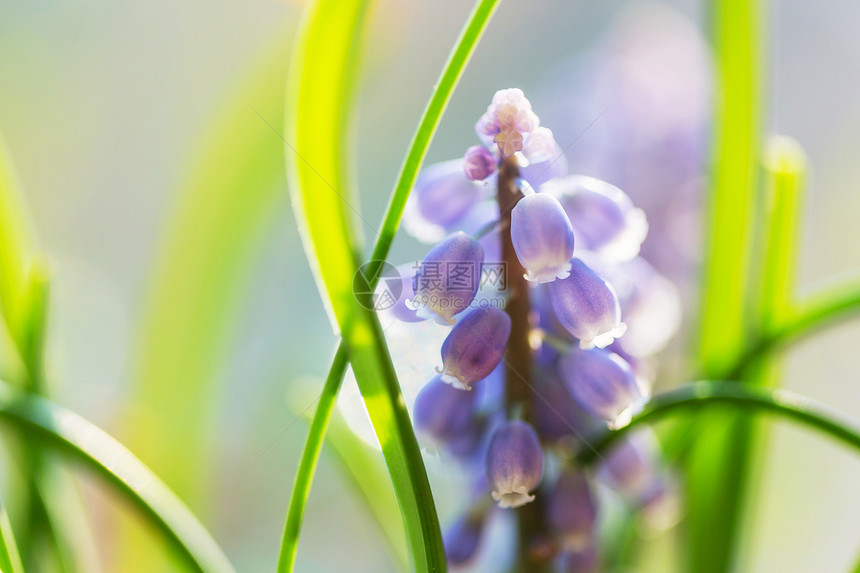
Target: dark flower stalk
(518,358)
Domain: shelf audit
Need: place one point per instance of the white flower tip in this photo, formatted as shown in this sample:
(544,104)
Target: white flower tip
(457,382)
(424,311)
(627,414)
(604,339)
(513,499)
(549,274)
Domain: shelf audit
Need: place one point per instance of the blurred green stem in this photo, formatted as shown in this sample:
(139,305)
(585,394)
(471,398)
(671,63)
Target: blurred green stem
(450,76)
(715,469)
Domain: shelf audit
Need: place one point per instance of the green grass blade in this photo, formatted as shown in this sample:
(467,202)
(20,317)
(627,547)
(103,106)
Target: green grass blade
(713,482)
(360,463)
(319,93)
(450,76)
(308,462)
(736,32)
(83,442)
(10,560)
(690,399)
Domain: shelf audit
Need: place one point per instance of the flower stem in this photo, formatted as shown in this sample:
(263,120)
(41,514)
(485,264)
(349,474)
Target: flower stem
(518,357)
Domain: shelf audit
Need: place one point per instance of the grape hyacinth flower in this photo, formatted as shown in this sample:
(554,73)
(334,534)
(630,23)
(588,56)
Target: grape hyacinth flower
(604,218)
(514,464)
(442,414)
(587,306)
(448,278)
(572,510)
(474,347)
(463,539)
(542,237)
(603,384)
(545,352)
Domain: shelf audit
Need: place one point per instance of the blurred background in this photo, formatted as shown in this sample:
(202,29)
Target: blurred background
(183,310)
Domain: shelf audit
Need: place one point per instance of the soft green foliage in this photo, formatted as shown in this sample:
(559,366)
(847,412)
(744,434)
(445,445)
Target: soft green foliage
(16,242)
(86,444)
(318,123)
(10,560)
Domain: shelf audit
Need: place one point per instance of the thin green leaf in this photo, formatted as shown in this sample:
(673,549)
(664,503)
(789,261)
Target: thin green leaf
(363,467)
(690,399)
(10,560)
(711,482)
(450,76)
(319,93)
(77,438)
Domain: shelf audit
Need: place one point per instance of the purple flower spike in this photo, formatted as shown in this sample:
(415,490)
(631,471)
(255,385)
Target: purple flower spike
(442,413)
(587,306)
(479,163)
(572,510)
(603,385)
(542,237)
(603,217)
(448,279)
(463,539)
(582,561)
(514,464)
(475,347)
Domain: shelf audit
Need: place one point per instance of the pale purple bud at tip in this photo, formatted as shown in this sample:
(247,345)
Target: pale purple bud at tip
(448,278)
(514,464)
(572,510)
(587,306)
(542,237)
(463,539)
(442,414)
(475,346)
(479,163)
(603,385)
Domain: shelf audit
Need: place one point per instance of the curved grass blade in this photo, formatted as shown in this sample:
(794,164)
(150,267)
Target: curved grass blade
(450,76)
(10,560)
(319,91)
(365,471)
(691,398)
(77,438)
(226,206)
